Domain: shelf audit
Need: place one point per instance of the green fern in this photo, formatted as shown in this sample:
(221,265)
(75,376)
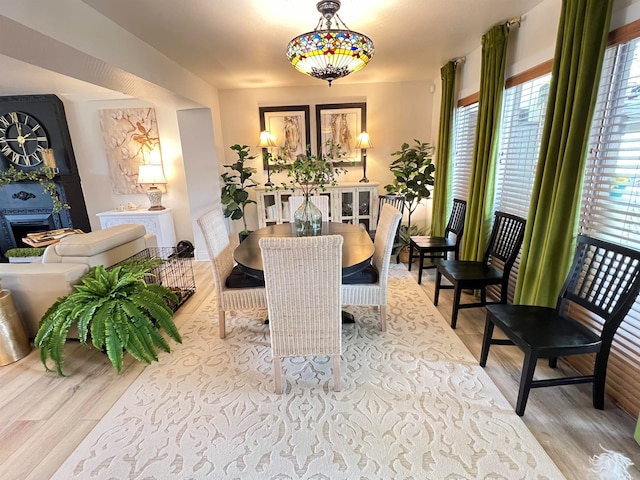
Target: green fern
(119,310)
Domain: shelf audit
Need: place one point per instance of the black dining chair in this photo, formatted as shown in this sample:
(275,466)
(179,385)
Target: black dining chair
(604,279)
(397,202)
(504,244)
(438,247)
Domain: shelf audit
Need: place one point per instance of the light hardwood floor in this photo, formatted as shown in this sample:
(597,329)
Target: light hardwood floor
(44,417)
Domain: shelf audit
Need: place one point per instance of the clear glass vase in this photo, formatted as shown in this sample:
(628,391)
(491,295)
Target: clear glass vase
(307,219)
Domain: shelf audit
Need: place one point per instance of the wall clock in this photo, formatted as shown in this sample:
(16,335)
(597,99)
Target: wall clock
(23,140)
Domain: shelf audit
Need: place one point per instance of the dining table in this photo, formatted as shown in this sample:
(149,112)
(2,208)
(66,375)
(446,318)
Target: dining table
(357,247)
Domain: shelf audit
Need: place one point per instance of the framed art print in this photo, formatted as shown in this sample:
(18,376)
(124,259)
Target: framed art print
(340,124)
(290,128)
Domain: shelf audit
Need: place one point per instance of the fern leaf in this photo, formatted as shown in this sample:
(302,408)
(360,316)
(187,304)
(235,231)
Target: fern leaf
(113,345)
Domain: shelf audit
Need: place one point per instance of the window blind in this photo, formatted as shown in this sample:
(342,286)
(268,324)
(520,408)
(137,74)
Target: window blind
(611,202)
(523,116)
(465,127)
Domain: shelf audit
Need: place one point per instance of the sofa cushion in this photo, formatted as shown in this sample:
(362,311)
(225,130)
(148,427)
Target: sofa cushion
(99,241)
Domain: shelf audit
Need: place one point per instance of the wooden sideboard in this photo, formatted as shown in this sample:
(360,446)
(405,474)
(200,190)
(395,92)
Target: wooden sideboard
(355,203)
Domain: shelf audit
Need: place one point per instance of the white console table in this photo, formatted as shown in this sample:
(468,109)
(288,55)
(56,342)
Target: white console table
(158,222)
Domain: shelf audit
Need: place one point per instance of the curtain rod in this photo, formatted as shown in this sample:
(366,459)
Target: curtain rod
(514,21)
(459,60)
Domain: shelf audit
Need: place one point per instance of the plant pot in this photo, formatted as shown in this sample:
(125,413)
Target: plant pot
(404,254)
(243,235)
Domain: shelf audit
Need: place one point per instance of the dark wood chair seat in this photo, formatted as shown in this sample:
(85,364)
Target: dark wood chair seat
(543,329)
(602,285)
(504,244)
(434,248)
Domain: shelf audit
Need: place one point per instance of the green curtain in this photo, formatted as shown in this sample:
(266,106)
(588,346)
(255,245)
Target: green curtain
(442,183)
(480,197)
(555,201)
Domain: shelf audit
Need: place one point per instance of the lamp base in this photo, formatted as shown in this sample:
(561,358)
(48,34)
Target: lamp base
(154,194)
(364,180)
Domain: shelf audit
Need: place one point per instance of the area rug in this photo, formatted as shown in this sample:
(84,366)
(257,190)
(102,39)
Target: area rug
(414,404)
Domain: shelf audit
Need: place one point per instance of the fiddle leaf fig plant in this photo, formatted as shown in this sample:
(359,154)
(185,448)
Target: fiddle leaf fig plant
(120,309)
(413,172)
(235,185)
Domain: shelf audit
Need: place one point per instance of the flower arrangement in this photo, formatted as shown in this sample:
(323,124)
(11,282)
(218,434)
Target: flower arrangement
(311,173)
(44,175)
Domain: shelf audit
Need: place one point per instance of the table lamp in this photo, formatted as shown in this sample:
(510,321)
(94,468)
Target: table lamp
(151,174)
(266,142)
(362,144)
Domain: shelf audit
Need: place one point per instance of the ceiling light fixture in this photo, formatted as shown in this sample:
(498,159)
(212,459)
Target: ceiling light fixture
(330,53)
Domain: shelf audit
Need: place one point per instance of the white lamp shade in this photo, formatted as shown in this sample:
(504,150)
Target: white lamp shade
(151,173)
(266,139)
(363,141)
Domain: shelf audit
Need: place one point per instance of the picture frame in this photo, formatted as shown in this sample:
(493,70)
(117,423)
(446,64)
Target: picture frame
(290,127)
(341,123)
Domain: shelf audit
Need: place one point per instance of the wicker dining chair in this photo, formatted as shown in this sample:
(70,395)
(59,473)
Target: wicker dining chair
(374,293)
(302,278)
(397,202)
(220,249)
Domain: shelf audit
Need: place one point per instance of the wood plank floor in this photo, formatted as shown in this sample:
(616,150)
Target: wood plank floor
(44,417)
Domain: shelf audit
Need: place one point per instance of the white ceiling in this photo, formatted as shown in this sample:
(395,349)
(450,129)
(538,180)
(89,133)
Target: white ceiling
(241,43)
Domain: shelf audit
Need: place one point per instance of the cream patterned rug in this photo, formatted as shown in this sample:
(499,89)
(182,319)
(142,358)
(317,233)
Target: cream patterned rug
(414,405)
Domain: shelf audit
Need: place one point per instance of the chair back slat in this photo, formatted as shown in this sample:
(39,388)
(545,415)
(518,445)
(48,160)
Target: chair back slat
(506,239)
(456,220)
(219,246)
(604,278)
(396,201)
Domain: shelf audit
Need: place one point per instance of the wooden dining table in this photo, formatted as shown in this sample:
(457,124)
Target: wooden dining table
(357,248)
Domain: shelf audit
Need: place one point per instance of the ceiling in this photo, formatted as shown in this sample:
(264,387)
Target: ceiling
(241,43)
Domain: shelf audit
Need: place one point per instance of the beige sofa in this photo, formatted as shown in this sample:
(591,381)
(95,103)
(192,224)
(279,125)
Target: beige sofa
(36,286)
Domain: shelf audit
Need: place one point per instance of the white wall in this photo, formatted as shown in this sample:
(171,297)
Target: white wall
(396,113)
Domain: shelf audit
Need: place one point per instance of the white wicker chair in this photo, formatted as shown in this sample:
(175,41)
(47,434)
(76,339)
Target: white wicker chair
(375,294)
(220,249)
(320,201)
(303,279)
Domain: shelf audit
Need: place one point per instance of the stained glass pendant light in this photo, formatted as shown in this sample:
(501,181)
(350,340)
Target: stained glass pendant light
(329,53)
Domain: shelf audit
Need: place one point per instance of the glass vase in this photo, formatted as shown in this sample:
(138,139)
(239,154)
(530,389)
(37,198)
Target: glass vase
(307,219)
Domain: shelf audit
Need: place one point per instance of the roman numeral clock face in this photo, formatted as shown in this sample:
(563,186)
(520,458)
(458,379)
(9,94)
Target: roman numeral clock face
(22,139)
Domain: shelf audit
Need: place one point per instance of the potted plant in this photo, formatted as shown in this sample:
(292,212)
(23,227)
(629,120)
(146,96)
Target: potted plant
(235,185)
(121,309)
(309,174)
(413,178)
(24,255)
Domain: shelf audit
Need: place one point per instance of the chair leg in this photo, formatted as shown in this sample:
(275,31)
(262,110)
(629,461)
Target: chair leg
(436,293)
(600,377)
(336,373)
(526,377)
(553,362)
(222,332)
(383,318)
(410,256)
(456,304)
(277,374)
(486,340)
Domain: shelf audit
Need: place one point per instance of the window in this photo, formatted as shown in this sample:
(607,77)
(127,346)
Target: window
(523,115)
(611,200)
(465,128)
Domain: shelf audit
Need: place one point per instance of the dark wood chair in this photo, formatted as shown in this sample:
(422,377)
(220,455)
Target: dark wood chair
(504,244)
(604,279)
(397,202)
(438,247)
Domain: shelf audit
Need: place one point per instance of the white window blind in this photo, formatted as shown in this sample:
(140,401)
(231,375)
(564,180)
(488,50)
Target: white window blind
(611,201)
(523,116)
(465,128)
(522,122)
